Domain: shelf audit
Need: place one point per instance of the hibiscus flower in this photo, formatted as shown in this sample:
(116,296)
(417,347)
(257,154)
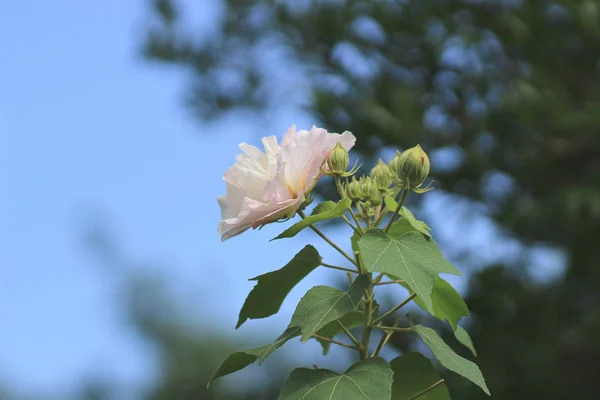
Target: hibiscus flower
(265,186)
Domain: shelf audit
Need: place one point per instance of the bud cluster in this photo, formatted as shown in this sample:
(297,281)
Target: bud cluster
(406,171)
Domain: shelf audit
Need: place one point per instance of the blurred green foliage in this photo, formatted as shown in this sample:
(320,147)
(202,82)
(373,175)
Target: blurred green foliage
(510,89)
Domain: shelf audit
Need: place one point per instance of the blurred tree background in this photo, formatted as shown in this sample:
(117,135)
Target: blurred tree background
(509,90)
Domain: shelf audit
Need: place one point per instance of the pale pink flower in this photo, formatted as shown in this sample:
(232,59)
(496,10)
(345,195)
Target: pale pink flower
(266,186)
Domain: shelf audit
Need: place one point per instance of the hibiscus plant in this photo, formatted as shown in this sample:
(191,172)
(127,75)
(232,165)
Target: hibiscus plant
(389,247)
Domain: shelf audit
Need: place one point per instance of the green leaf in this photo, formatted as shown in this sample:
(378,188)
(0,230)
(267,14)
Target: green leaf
(322,212)
(463,337)
(351,320)
(447,303)
(420,226)
(323,304)
(411,257)
(370,379)
(413,373)
(400,227)
(268,294)
(449,359)
(241,359)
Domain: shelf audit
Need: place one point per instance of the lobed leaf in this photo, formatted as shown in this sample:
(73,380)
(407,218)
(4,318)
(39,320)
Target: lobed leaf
(463,337)
(271,288)
(241,359)
(369,379)
(323,304)
(410,256)
(447,303)
(413,373)
(449,359)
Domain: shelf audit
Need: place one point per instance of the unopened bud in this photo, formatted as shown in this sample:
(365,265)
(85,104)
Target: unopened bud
(381,176)
(367,187)
(412,168)
(376,199)
(394,166)
(337,160)
(353,190)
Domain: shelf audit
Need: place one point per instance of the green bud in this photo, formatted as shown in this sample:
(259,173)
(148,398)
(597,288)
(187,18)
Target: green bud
(393,165)
(412,168)
(376,199)
(337,160)
(381,176)
(353,190)
(367,187)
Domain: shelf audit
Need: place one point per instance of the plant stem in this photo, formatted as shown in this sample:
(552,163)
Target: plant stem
(378,278)
(397,210)
(340,189)
(335,246)
(358,264)
(428,389)
(393,328)
(384,338)
(388,282)
(396,308)
(353,215)
(340,268)
(349,334)
(350,224)
(335,342)
(366,335)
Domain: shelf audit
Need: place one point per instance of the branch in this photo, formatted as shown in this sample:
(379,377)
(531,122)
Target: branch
(428,389)
(396,308)
(335,342)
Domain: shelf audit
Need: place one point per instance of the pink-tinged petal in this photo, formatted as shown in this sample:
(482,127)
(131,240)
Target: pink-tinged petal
(288,136)
(254,214)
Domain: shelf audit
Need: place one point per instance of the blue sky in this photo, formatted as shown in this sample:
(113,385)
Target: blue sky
(88,130)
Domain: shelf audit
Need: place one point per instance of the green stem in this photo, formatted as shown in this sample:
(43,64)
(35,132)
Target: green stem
(350,224)
(428,389)
(323,338)
(396,308)
(322,235)
(355,218)
(340,189)
(366,335)
(340,268)
(397,210)
(384,338)
(393,328)
(388,282)
(348,333)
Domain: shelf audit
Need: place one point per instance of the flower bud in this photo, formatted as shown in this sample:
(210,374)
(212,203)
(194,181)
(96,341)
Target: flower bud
(412,168)
(393,166)
(337,160)
(376,199)
(367,187)
(381,176)
(353,190)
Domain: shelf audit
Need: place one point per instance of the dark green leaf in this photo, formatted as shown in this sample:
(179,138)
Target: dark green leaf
(447,303)
(323,304)
(241,359)
(449,359)
(268,294)
(324,211)
(463,337)
(370,379)
(411,257)
(413,373)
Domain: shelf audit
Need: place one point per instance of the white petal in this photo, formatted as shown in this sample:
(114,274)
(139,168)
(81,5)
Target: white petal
(254,214)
